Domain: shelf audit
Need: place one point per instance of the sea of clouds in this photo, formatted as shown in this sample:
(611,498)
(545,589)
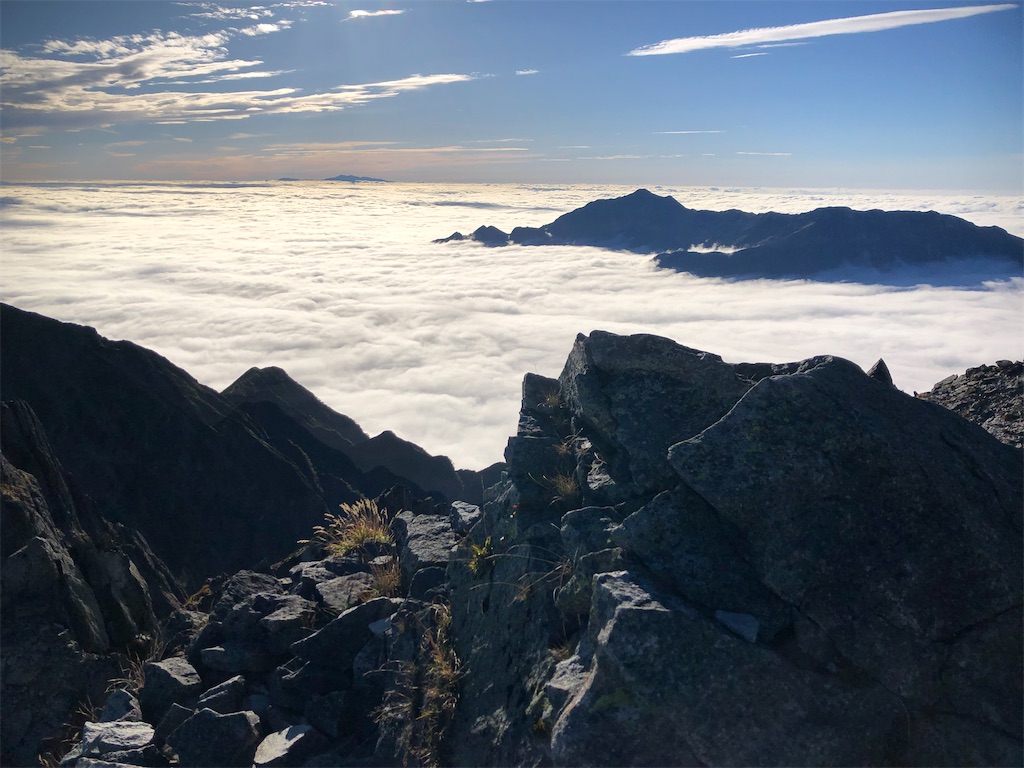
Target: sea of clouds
(340,285)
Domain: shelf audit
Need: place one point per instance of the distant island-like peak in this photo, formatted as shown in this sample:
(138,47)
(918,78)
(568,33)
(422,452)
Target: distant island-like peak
(339,177)
(832,243)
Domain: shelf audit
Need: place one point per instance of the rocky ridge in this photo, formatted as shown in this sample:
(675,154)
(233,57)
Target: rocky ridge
(685,562)
(825,243)
(989,395)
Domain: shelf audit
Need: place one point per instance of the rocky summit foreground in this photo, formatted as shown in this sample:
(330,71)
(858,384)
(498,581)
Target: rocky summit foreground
(685,562)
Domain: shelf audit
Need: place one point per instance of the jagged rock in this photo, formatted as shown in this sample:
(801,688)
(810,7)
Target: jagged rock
(224,698)
(148,756)
(62,609)
(117,736)
(819,569)
(931,514)
(988,395)
(328,713)
(880,372)
(338,642)
(289,747)
(340,593)
(176,715)
(243,586)
(424,541)
(682,540)
(426,581)
(209,738)
(121,705)
(635,396)
(715,700)
(156,450)
(463,516)
(171,681)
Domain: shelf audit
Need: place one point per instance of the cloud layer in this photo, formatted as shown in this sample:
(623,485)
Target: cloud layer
(340,285)
(151,77)
(875,22)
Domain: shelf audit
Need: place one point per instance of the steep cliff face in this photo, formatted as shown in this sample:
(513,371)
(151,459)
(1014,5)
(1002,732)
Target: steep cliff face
(693,563)
(79,594)
(156,450)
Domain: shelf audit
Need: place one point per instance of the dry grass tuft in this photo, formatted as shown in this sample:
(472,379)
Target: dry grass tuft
(360,525)
(387,579)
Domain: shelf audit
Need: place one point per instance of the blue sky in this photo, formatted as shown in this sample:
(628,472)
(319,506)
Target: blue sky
(905,95)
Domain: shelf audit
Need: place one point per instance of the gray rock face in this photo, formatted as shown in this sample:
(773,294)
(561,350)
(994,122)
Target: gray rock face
(224,698)
(716,700)
(339,594)
(787,564)
(209,738)
(424,541)
(463,516)
(118,736)
(634,396)
(73,586)
(991,396)
(121,705)
(171,681)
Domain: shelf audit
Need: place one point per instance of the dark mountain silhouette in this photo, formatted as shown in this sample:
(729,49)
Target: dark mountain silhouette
(387,456)
(154,448)
(172,458)
(273,385)
(835,242)
(434,473)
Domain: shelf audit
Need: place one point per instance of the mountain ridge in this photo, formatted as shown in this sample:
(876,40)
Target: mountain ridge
(737,244)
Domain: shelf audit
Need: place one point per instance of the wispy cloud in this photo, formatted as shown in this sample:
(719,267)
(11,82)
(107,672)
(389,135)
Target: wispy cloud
(221,13)
(747,55)
(150,78)
(875,22)
(371,14)
(676,133)
(768,154)
(527,71)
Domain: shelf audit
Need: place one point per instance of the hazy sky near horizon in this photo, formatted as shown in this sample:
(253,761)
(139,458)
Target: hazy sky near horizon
(908,95)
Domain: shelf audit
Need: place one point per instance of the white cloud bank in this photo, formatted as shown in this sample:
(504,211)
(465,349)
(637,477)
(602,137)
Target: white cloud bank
(875,22)
(341,286)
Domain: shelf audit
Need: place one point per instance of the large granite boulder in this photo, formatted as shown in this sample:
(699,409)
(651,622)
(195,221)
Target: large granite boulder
(766,564)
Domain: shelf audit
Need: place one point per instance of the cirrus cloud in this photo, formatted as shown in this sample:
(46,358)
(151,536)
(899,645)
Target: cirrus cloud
(875,22)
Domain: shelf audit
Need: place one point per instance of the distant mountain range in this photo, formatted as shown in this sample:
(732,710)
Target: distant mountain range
(831,242)
(340,177)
